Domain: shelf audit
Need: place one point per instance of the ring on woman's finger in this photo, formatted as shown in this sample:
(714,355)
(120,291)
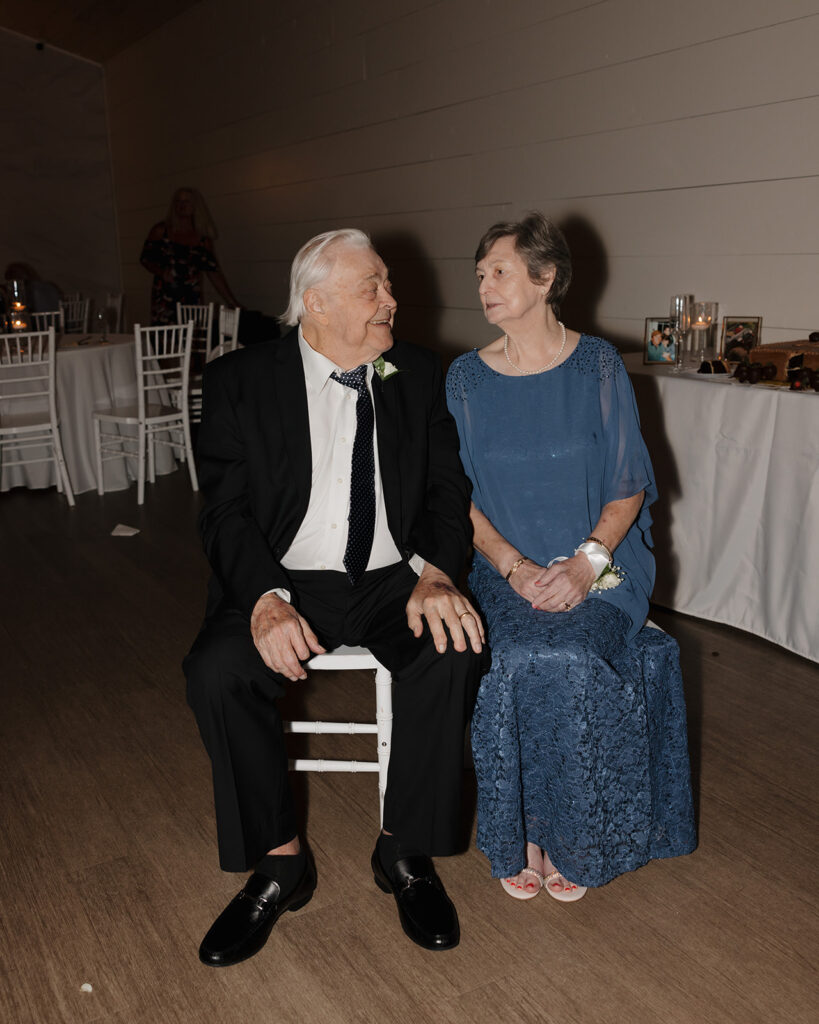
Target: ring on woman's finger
(465,613)
(566,605)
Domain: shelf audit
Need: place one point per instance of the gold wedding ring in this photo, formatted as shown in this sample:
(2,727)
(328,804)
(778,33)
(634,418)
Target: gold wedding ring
(464,613)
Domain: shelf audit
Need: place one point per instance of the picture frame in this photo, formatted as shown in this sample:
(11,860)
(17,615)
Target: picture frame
(739,335)
(659,346)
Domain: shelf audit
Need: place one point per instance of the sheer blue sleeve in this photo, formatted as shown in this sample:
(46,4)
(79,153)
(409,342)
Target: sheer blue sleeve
(627,469)
(458,389)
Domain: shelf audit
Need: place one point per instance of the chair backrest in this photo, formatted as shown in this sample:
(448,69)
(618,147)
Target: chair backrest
(228,332)
(202,319)
(163,356)
(51,318)
(27,372)
(75,315)
(113,311)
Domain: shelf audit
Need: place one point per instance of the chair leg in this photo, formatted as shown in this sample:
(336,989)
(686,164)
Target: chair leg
(383,718)
(98,454)
(151,457)
(141,464)
(186,429)
(62,469)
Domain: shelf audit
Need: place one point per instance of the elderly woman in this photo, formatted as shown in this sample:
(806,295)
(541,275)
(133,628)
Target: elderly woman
(177,251)
(579,735)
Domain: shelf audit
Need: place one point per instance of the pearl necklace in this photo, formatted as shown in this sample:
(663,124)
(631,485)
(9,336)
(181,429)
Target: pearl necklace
(529,373)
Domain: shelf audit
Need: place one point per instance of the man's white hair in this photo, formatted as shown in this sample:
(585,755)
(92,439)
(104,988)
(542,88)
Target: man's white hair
(313,263)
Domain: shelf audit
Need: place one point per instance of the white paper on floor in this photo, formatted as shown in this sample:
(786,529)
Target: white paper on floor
(121,530)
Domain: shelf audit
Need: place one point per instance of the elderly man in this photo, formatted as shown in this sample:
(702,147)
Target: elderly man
(336,511)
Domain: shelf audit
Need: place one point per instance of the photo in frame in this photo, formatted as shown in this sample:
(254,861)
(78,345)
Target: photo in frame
(739,335)
(659,347)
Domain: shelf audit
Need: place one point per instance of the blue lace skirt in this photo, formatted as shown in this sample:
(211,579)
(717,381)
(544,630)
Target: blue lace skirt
(579,739)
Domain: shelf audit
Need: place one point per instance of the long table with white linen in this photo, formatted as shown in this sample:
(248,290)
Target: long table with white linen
(90,375)
(736,527)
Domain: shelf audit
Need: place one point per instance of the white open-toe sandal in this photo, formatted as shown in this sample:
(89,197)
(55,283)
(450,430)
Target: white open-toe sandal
(565,895)
(519,893)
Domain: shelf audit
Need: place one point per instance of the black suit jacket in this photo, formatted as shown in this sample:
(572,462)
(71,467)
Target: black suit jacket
(255,466)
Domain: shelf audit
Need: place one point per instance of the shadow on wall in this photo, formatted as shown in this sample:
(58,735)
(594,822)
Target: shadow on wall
(590,276)
(416,288)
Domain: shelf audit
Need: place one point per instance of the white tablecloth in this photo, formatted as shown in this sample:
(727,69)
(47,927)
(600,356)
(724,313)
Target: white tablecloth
(737,523)
(89,376)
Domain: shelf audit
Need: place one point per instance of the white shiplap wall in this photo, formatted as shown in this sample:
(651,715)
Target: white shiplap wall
(677,142)
(57,197)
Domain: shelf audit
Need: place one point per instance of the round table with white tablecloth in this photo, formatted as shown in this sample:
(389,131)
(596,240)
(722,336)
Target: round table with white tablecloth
(736,526)
(90,374)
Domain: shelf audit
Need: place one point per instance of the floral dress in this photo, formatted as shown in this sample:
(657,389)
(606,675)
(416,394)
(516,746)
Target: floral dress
(186,262)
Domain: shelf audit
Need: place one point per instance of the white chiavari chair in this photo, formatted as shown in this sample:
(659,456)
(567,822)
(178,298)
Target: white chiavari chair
(76,313)
(228,332)
(29,425)
(51,318)
(113,309)
(161,414)
(203,344)
(343,658)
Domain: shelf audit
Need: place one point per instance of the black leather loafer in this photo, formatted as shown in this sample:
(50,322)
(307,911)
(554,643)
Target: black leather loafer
(244,925)
(427,914)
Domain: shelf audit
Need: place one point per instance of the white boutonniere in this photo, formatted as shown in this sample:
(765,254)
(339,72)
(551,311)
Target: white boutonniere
(611,576)
(384,369)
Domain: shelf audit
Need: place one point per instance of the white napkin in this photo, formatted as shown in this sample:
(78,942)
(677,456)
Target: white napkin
(120,530)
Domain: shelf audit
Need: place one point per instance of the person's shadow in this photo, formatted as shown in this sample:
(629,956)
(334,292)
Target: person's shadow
(416,288)
(590,277)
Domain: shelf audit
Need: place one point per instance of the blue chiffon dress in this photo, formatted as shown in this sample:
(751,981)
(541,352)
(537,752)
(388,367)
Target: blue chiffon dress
(579,731)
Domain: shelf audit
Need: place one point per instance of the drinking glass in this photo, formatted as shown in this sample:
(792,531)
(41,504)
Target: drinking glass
(680,315)
(101,321)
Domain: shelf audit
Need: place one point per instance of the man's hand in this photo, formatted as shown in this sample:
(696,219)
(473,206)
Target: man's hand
(437,599)
(282,637)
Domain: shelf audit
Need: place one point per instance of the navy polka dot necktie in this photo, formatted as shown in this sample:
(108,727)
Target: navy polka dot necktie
(361,519)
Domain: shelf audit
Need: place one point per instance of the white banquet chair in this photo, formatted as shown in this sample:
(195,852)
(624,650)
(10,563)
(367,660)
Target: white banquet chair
(51,318)
(29,425)
(343,658)
(203,346)
(113,304)
(76,314)
(202,319)
(161,414)
(228,332)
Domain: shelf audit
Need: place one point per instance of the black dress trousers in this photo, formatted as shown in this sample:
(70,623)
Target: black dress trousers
(233,696)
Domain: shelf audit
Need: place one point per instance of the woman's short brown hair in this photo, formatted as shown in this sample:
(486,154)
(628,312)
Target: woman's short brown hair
(541,245)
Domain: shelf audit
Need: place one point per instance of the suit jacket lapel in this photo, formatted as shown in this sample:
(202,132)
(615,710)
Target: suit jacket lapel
(294,421)
(385,403)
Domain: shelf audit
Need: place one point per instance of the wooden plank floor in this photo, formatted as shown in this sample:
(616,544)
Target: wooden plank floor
(108,872)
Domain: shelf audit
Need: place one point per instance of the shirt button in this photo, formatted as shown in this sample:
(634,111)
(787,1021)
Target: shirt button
(343,440)
(333,526)
(322,567)
(340,480)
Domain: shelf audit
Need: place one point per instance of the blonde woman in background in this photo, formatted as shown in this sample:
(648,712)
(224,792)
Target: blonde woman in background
(177,251)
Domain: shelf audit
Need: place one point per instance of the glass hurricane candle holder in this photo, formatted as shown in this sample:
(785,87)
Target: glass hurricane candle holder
(703,325)
(18,316)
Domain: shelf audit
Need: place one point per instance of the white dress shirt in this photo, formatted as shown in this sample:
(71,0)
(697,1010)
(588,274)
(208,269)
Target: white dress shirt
(321,539)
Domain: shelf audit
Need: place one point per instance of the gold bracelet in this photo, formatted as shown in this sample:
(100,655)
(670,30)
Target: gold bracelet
(596,540)
(515,567)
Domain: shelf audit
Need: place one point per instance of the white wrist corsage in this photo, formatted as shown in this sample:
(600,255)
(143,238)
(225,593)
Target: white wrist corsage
(611,576)
(384,369)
